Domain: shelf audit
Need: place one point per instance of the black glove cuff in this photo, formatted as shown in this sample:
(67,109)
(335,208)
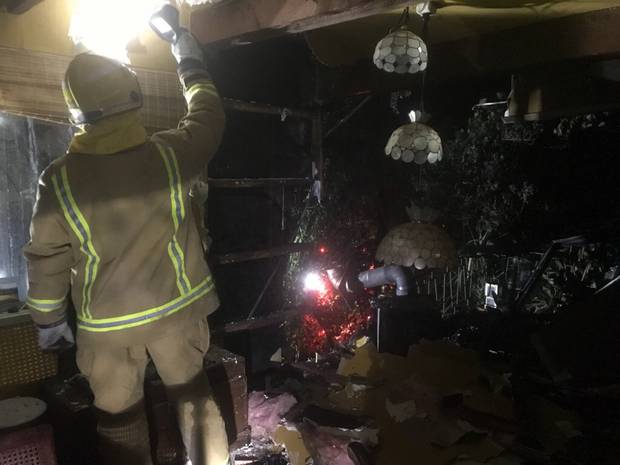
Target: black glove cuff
(53,325)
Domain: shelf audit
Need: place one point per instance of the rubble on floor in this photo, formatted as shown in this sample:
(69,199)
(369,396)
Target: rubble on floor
(418,402)
(265,413)
(439,405)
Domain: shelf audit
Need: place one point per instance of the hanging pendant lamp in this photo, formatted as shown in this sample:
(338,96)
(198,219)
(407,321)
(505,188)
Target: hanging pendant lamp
(401,51)
(416,141)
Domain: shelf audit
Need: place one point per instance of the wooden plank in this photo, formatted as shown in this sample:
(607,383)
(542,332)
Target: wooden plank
(265,109)
(248,20)
(246,183)
(277,251)
(272,319)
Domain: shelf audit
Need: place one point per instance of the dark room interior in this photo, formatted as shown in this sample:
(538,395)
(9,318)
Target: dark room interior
(296,232)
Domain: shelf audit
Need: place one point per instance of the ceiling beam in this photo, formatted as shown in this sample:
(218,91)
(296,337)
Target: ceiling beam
(576,40)
(249,20)
(584,36)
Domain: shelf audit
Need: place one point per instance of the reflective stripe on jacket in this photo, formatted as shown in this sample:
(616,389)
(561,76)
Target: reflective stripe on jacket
(117,229)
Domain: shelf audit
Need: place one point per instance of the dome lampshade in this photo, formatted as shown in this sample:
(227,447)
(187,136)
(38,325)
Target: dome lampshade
(401,52)
(415,142)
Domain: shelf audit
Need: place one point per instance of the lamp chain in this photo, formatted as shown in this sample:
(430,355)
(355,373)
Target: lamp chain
(403,20)
(426,17)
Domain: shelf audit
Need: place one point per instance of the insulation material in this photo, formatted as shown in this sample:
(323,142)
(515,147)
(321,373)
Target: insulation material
(265,413)
(330,449)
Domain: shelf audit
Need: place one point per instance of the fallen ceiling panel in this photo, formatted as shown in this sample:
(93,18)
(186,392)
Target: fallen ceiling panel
(30,85)
(254,19)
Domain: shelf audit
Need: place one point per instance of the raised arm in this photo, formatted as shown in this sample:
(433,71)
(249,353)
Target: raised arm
(200,130)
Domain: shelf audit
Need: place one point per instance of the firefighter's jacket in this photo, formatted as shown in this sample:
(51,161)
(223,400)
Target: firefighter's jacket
(113,227)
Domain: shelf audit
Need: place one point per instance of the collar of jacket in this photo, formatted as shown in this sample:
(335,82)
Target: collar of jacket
(110,135)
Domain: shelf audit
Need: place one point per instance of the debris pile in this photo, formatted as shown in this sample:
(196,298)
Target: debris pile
(439,405)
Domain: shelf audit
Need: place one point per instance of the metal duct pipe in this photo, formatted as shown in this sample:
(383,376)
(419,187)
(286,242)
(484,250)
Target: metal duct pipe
(389,274)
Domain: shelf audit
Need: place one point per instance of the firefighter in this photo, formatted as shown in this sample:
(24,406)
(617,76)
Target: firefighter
(113,226)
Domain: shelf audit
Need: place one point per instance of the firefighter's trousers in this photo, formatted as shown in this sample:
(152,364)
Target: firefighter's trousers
(116,377)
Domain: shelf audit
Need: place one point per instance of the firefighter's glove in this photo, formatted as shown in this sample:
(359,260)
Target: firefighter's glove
(186,47)
(55,338)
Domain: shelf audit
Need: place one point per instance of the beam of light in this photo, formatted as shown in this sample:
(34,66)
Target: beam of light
(335,277)
(106,27)
(313,282)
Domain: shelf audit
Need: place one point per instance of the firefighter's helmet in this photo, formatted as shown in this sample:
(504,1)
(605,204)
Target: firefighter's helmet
(96,87)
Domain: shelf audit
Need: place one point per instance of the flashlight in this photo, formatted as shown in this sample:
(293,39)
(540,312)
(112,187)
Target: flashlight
(165,23)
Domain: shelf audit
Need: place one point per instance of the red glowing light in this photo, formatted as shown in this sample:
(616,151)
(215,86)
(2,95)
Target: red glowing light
(319,286)
(323,249)
(334,321)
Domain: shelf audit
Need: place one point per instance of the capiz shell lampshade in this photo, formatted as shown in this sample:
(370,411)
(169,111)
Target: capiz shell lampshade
(401,52)
(415,142)
(418,245)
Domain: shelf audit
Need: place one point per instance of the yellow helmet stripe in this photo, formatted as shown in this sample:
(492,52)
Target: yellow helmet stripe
(80,227)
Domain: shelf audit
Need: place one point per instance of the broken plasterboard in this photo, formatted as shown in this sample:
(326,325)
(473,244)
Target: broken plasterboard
(290,437)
